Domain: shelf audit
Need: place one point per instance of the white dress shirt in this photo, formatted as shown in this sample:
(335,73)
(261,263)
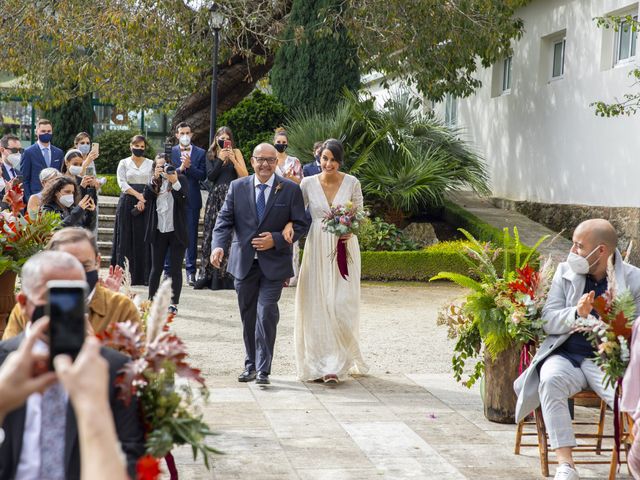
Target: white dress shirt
(128,173)
(267,191)
(164,206)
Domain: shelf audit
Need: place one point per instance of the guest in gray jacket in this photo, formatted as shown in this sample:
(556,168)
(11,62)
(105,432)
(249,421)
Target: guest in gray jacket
(563,365)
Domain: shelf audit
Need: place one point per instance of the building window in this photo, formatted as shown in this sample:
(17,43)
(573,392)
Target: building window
(558,58)
(625,48)
(450,110)
(506,75)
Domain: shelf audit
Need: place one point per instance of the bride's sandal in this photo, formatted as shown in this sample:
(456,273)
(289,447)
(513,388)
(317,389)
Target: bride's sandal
(331,378)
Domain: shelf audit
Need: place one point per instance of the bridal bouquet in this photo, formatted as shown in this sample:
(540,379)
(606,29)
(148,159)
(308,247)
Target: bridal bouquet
(158,376)
(611,333)
(343,220)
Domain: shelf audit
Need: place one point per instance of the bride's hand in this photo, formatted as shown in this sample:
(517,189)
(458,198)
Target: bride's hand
(346,237)
(287,233)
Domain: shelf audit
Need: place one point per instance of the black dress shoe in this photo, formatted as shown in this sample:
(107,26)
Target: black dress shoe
(202,282)
(191,279)
(262,379)
(247,376)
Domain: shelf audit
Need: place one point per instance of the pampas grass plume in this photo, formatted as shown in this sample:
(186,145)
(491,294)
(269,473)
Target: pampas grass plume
(158,311)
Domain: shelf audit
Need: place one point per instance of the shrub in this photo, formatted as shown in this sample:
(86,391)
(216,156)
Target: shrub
(114,146)
(377,235)
(111,188)
(254,120)
(456,215)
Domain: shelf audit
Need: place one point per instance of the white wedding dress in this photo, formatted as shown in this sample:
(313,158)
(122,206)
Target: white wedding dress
(328,306)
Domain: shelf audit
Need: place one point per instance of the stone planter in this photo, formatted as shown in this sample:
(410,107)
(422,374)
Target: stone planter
(7,297)
(499,375)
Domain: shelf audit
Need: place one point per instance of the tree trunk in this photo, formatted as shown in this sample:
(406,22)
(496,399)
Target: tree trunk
(499,375)
(236,80)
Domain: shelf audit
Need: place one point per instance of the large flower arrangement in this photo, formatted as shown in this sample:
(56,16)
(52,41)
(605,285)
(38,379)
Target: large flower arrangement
(503,307)
(22,235)
(158,375)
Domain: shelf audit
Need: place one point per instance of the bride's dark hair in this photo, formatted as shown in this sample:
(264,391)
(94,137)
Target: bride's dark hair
(336,148)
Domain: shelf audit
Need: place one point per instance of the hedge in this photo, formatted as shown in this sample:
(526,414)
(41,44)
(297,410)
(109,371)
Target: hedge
(456,215)
(111,188)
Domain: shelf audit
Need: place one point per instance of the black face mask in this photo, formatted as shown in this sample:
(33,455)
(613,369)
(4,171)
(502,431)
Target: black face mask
(138,152)
(38,313)
(281,147)
(221,143)
(92,279)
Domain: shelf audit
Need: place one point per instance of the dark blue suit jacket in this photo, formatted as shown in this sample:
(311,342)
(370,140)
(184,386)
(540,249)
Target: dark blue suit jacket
(311,169)
(194,174)
(239,217)
(32,164)
(5,172)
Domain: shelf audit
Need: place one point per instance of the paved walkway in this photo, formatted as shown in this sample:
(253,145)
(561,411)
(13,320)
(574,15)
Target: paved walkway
(529,230)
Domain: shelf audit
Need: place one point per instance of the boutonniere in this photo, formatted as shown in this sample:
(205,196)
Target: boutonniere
(278,188)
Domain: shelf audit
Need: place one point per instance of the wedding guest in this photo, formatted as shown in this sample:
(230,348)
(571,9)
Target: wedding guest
(10,151)
(189,159)
(20,454)
(82,142)
(133,174)
(630,401)
(327,312)
(61,197)
(105,306)
(564,365)
(46,176)
(224,164)
(75,169)
(313,168)
(41,154)
(167,198)
(290,168)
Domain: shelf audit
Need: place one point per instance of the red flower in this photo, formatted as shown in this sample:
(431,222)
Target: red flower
(148,468)
(15,198)
(527,281)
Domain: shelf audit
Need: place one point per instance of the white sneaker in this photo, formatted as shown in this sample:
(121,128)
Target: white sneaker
(566,472)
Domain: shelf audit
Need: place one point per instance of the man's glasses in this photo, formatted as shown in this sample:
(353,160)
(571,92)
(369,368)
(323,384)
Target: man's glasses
(16,150)
(269,160)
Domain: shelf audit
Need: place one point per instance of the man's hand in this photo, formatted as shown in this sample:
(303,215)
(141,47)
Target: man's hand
(186,162)
(21,373)
(585,304)
(263,242)
(87,379)
(216,257)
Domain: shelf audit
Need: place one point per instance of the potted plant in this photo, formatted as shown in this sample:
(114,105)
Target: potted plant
(499,319)
(21,236)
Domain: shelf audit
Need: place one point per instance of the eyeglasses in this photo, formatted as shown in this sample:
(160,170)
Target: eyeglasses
(269,160)
(16,150)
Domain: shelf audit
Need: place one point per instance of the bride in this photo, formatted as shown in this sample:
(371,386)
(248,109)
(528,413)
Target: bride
(328,306)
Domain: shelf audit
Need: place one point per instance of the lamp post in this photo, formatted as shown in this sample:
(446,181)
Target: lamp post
(215,22)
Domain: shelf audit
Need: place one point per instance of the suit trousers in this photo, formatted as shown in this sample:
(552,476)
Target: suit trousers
(258,301)
(559,380)
(166,245)
(192,217)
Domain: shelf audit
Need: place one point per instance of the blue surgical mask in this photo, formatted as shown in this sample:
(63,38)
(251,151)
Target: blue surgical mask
(45,137)
(84,148)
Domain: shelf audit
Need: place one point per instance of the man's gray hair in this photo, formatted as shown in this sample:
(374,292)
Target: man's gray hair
(32,275)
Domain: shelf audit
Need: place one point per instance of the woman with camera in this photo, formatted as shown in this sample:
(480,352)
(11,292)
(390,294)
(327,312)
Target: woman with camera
(224,164)
(133,174)
(166,200)
(61,196)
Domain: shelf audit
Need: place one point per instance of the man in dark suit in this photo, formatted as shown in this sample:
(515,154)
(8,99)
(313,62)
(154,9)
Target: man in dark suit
(11,151)
(48,417)
(190,161)
(41,154)
(313,168)
(256,210)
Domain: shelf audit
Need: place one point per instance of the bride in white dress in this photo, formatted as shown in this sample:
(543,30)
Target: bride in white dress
(328,306)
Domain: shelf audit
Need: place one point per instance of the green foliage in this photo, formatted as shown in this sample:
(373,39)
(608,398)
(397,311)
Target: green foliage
(377,235)
(456,215)
(69,119)
(254,121)
(114,146)
(631,101)
(110,188)
(313,65)
(405,160)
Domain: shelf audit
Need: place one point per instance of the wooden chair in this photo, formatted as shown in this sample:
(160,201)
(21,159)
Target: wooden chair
(542,438)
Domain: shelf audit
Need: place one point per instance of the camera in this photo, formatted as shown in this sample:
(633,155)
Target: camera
(66,307)
(169,169)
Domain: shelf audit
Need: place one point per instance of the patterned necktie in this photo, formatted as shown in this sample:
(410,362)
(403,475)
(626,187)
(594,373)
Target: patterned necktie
(53,423)
(260,202)
(47,156)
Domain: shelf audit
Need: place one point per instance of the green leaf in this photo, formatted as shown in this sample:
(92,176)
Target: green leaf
(460,279)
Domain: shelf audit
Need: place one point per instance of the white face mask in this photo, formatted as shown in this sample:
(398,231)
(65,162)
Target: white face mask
(14,159)
(2,184)
(579,264)
(84,148)
(185,140)
(75,170)
(66,200)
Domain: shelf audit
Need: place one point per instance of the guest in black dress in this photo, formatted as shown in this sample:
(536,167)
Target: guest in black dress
(224,164)
(61,196)
(166,197)
(133,174)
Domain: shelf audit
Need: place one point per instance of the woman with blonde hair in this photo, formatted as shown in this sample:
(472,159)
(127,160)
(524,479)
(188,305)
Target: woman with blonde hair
(46,176)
